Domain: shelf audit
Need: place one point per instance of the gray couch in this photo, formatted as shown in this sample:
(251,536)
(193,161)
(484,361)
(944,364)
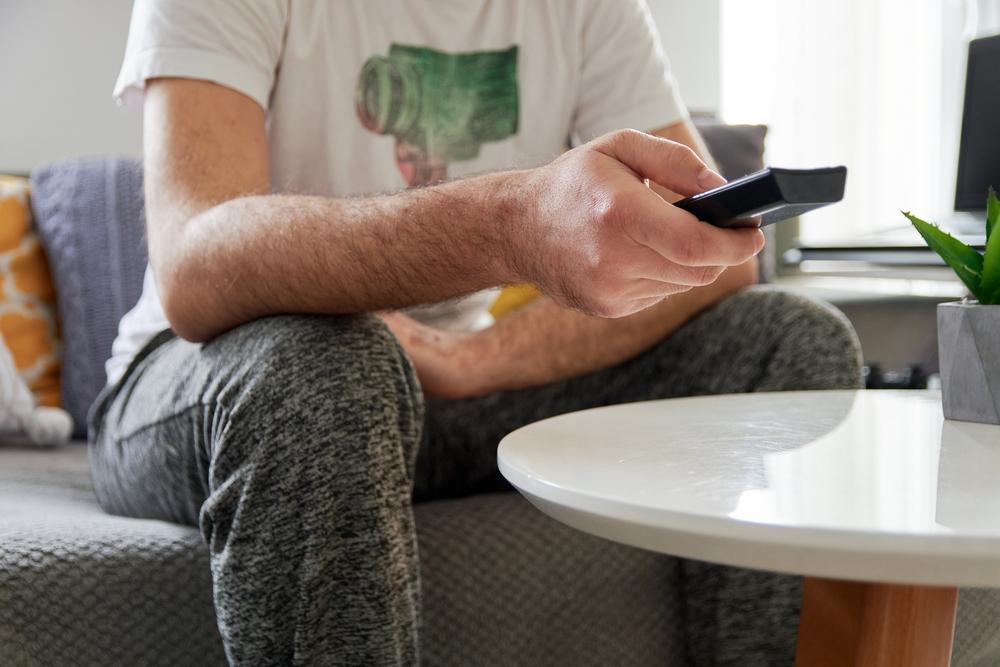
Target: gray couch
(502,584)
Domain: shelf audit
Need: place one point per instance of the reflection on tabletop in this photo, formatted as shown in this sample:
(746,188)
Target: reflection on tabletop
(908,471)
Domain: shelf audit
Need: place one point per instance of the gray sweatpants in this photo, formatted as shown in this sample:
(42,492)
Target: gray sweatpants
(298,445)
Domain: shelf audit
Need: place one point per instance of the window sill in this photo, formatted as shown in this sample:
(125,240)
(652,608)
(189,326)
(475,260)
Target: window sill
(854,283)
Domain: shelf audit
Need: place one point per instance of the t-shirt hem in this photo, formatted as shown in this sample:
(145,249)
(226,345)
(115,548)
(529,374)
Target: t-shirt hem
(190,64)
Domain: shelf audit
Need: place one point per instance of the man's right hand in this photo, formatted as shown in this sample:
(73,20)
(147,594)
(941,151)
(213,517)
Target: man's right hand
(594,237)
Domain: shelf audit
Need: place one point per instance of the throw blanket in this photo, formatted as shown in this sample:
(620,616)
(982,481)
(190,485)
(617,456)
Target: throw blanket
(89,215)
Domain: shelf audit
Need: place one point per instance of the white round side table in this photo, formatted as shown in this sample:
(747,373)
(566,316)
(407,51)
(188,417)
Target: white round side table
(882,504)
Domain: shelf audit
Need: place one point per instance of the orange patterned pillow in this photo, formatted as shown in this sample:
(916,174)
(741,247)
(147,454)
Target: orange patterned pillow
(27,297)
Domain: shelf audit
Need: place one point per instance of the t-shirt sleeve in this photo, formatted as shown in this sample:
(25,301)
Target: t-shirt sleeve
(625,79)
(232,43)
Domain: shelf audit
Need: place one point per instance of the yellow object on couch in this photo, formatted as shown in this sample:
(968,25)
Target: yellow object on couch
(27,297)
(513,297)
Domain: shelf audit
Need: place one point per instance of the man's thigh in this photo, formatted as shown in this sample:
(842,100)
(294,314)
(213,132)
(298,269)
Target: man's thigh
(185,412)
(757,340)
(147,441)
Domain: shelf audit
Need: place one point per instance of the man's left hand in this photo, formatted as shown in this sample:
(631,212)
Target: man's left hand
(445,361)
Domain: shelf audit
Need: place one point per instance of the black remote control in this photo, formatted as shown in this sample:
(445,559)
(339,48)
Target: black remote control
(772,194)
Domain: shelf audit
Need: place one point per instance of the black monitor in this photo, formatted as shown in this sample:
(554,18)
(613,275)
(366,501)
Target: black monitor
(979,152)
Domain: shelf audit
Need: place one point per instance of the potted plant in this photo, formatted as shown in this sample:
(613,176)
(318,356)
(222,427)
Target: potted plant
(969,330)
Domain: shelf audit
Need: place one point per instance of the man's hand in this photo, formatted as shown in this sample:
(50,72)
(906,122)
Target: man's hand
(442,359)
(544,342)
(596,239)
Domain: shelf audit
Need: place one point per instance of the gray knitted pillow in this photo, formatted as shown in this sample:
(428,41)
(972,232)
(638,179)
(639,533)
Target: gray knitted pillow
(737,149)
(89,213)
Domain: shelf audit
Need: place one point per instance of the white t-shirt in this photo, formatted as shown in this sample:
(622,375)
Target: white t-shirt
(371,96)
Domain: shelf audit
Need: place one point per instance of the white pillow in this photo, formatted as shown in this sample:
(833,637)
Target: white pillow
(20,415)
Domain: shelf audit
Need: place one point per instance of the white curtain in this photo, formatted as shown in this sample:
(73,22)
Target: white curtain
(988,15)
(873,84)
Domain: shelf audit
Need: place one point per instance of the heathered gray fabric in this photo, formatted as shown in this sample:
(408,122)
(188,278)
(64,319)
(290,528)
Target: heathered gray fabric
(505,585)
(292,440)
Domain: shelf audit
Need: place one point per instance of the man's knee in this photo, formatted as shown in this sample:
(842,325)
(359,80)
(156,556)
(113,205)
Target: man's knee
(794,313)
(293,375)
(812,343)
(358,349)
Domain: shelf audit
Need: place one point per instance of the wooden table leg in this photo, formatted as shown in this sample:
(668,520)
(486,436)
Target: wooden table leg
(868,625)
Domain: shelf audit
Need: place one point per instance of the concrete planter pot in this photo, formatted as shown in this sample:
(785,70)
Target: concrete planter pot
(969,351)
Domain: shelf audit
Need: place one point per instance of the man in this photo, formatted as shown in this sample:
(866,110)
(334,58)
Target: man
(255,392)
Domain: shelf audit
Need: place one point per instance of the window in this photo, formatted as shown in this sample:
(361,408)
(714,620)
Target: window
(873,84)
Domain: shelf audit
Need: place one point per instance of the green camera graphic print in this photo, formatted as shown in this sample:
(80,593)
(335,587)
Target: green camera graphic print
(440,107)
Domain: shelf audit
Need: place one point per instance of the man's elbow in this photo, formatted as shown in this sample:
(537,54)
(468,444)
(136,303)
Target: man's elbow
(184,297)
(178,306)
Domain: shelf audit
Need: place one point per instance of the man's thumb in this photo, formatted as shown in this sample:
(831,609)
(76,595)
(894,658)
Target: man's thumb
(667,163)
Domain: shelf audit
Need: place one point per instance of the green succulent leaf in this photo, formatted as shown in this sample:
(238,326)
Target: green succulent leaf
(965,261)
(992,212)
(989,286)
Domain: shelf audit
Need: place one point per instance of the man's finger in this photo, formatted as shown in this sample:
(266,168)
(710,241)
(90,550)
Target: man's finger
(667,163)
(642,304)
(650,265)
(683,239)
(647,288)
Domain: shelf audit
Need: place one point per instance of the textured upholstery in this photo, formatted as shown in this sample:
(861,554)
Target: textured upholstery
(89,213)
(977,628)
(503,584)
(79,587)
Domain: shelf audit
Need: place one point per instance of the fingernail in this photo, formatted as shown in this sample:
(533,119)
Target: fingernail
(710,179)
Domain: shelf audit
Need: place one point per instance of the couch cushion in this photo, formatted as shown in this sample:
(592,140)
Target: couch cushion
(79,587)
(89,213)
(738,150)
(503,583)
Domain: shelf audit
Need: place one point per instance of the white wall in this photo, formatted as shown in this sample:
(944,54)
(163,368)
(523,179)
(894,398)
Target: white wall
(59,59)
(58,62)
(691,36)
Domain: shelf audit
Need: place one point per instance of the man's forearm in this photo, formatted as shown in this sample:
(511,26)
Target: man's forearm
(543,342)
(261,255)
(584,228)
